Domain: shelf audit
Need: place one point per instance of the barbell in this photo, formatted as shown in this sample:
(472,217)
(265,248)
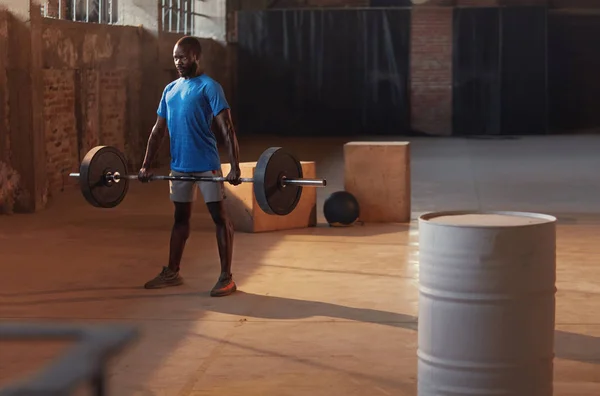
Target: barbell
(277,180)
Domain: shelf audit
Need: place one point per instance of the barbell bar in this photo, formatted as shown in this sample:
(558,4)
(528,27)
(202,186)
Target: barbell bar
(116,177)
(278,179)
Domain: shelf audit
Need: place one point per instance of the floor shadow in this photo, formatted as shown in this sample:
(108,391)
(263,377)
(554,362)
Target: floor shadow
(399,385)
(248,305)
(281,308)
(568,345)
(579,347)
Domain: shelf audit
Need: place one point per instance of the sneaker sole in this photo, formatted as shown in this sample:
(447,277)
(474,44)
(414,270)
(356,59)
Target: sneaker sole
(224,292)
(163,285)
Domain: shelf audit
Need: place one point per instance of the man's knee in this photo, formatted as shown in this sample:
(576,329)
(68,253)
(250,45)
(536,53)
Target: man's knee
(183,212)
(217,212)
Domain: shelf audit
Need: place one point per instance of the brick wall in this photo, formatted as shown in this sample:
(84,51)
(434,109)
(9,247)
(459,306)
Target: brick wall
(88,70)
(59,126)
(113,107)
(53,9)
(89,110)
(4,125)
(9,179)
(137,121)
(83,109)
(431,70)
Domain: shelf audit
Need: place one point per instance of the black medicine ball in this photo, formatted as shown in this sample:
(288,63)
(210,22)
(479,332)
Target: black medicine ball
(341,209)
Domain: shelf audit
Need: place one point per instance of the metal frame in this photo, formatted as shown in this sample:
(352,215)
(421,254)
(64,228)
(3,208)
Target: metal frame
(180,13)
(84,362)
(81,10)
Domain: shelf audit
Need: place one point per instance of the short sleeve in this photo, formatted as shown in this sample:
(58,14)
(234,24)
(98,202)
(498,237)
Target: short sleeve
(162,106)
(216,97)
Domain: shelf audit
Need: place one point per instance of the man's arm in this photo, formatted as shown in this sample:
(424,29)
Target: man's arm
(225,127)
(154,141)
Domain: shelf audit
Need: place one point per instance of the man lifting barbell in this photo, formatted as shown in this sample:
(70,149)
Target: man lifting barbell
(187,108)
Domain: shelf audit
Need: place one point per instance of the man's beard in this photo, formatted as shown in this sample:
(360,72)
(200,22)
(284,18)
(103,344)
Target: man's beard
(188,71)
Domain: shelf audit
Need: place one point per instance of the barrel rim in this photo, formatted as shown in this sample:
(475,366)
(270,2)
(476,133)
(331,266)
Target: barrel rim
(427,217)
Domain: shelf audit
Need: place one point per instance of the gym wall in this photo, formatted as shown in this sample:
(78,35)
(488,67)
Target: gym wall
(426,59)
(99,86)
(88,91)
(510,78)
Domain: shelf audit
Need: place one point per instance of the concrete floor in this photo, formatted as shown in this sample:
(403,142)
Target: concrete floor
(321,311)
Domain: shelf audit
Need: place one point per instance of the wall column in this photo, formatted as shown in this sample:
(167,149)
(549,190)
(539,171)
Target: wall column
(146,15)
(431,67)
(25,91)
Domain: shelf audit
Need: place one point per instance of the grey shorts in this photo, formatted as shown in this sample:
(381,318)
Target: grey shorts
(185,191)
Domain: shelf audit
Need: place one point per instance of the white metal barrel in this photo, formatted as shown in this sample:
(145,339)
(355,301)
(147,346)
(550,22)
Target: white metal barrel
(486,304)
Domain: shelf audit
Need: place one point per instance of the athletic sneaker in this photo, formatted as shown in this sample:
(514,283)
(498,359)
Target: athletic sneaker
(224,287)
(166,278)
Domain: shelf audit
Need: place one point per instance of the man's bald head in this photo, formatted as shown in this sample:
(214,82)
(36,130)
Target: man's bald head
(190,44)
(186,55)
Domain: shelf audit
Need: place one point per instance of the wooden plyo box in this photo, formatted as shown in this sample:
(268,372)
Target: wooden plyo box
(247,216)
(378,175)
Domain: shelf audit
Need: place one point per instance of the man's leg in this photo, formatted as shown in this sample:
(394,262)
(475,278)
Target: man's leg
(214,194)
(182,195)
(179,234)
(224,229)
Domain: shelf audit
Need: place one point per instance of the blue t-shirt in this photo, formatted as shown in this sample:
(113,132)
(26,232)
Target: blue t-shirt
(189,106)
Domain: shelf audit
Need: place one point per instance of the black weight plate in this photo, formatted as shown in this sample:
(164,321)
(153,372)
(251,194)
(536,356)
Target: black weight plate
(96,190)
(271,196)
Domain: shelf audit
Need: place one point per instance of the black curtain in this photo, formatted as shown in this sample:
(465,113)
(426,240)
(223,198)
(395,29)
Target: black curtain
(476,69)
(524,71)
(574,71)
(323,72)
(499,66)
